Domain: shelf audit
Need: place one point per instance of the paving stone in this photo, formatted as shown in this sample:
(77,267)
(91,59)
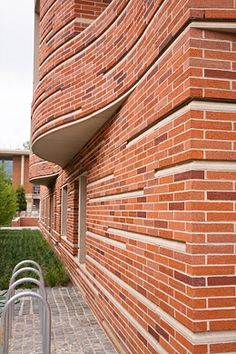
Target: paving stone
(75,329)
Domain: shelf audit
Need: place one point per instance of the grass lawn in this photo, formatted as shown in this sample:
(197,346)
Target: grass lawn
(17,245)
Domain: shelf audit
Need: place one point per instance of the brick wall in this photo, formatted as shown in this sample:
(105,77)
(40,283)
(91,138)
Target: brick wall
(160,207)
(27,184)
(24,222)
(16,174)
(61,21)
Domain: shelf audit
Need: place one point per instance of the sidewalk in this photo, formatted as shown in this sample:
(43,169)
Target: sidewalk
(75,330)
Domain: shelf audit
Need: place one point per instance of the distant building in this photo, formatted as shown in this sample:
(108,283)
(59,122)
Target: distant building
(16,165)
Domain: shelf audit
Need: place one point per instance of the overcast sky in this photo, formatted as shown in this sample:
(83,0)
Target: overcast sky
(16,71)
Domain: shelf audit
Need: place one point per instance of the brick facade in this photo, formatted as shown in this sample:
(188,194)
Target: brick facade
(156,176)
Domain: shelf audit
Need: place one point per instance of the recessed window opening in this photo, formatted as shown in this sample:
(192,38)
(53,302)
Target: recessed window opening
(63,210)
(82,218)
(51,212)
(7,164)
(47,205)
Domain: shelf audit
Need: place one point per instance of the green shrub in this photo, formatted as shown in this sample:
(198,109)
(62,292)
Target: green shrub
(7,199)
(21,203)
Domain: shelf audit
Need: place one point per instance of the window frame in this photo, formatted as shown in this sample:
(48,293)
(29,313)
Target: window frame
(82,201)
(64,206)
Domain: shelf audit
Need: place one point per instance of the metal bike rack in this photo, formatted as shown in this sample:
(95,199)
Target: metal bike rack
(17,272)
(12,280)
(8,311)
(25,269)
(27,261)
(46,324)
(11,292)
(19,265)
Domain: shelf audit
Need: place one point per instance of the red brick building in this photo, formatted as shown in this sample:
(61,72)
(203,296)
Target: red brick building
(133,134)
(16,165)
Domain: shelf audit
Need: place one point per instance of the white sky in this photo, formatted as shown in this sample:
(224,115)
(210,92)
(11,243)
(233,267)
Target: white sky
(16,71)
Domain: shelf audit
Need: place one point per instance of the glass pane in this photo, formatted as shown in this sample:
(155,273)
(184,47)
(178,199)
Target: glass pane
(8,165)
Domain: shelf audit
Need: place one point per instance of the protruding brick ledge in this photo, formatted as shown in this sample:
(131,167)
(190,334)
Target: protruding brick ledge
(191,106)
(197,166)
(170,244)
(60,145)
(131,194)
(44,180)
(215,26)
(100,180)
(106,240)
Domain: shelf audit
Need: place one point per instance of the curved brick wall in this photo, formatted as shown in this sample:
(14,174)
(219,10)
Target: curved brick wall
(91,83)
(160,242)
(40,169)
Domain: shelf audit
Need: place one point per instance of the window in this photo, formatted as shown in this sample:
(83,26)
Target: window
(63,210)
(46,212)
(82,218)
(51,212)
(8,165)
(36,203)
(36,189)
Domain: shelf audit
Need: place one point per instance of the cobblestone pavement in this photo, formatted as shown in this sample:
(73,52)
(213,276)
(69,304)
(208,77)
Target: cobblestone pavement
(75,330)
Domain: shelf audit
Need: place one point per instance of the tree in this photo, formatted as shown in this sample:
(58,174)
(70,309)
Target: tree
(7,199)
(21,203)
